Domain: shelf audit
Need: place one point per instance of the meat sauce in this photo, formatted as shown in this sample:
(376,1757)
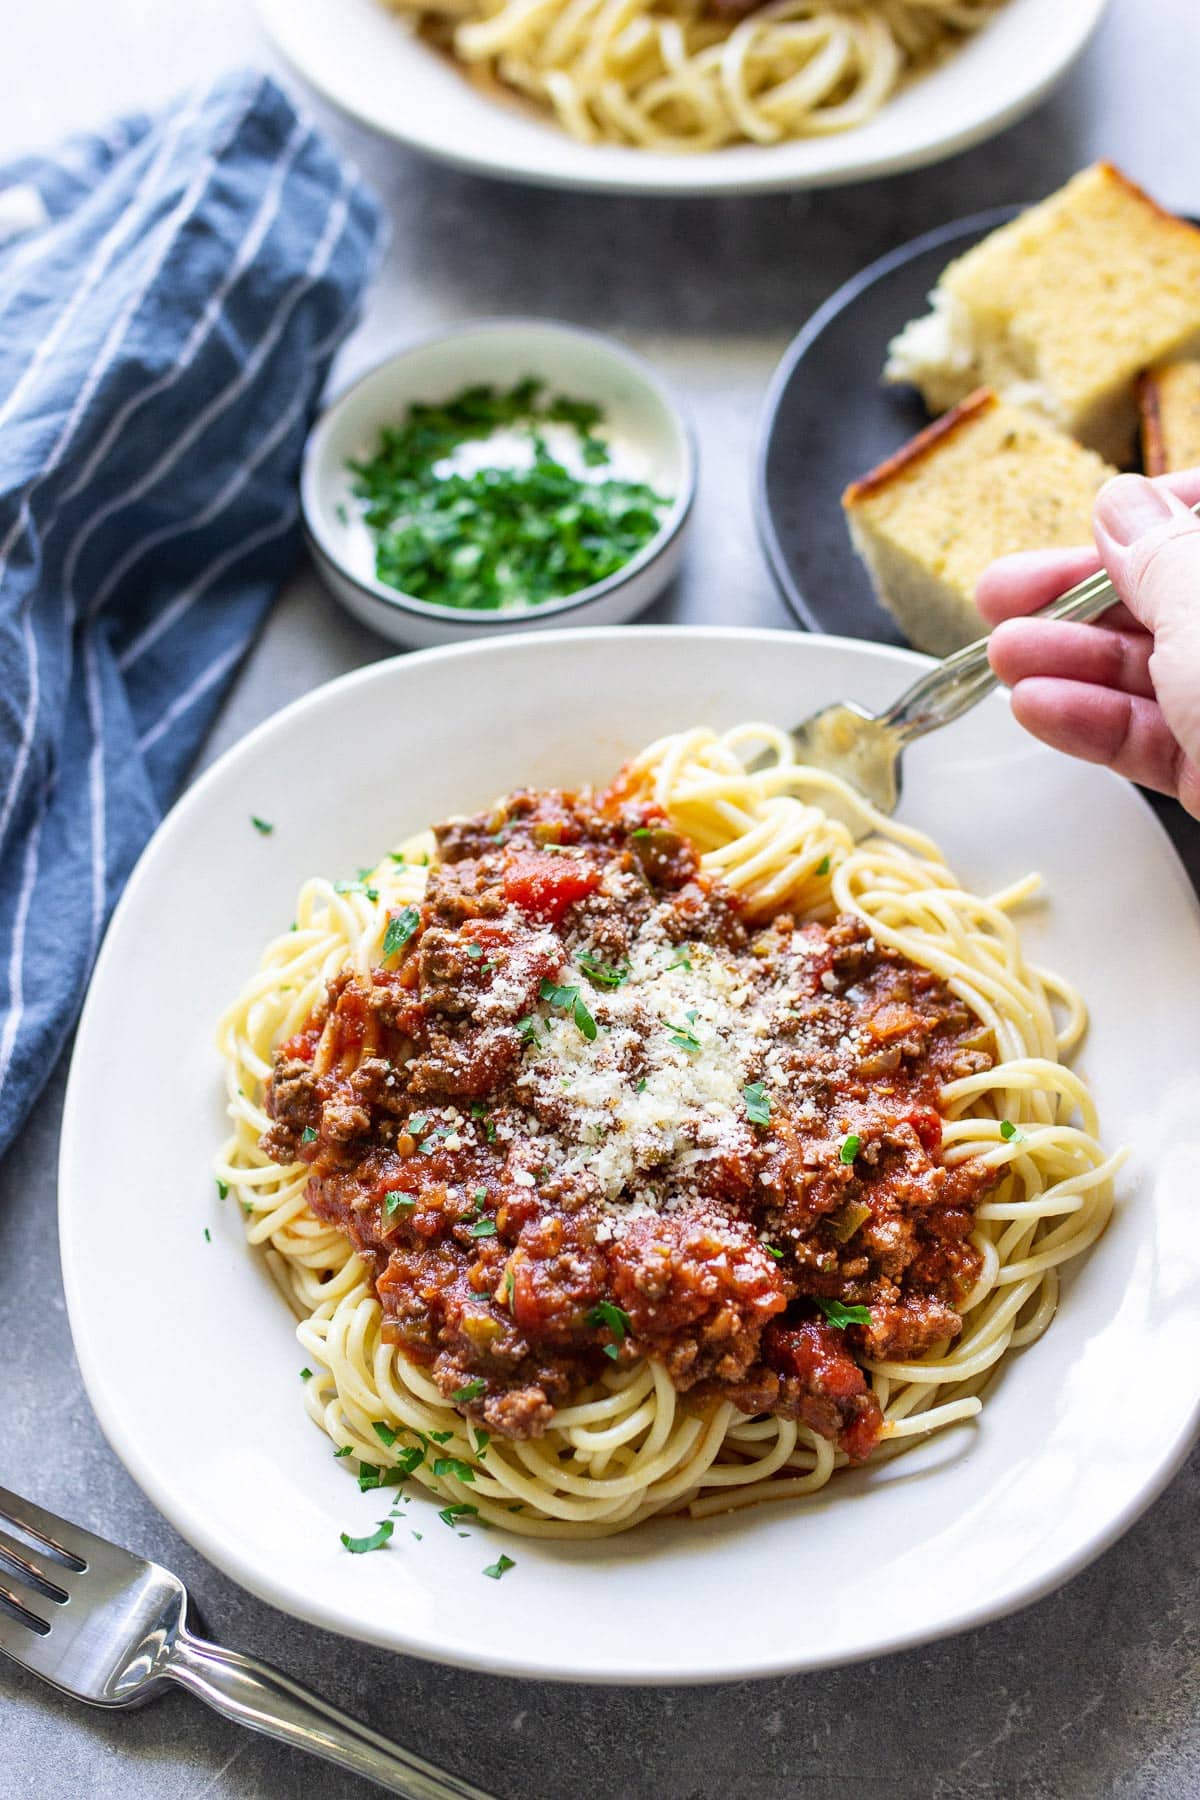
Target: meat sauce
(588,1113)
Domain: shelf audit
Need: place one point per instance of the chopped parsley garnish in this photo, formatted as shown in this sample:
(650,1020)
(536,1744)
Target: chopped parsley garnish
(682,961)
(527,1027)
(395,1200)
(1011,1133)
(306,1374)
(606,1314)
(440,1437)
(470,1391)
(482,1228)
(840,1316)
(684,1037)
(609,975)
(609,1317)
(568,998)
(498,537)
(371,1477)
(207,1235)
(454,1465)
(824,866)
(222,1189)
(358,886)
(475,952)
(400,927)
(772,1251)
(376,1541)
(263,826)
(500,1567)
(344,1451)
(457,1509)
(417,1123)
(482,1440)
(643,831)
(639,1087)
(758,1103)
(384,1432)
(851,1145)
(480,1196)
(308,1135)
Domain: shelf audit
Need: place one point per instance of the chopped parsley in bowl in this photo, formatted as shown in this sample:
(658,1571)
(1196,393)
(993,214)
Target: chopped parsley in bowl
(507,476)
(536,513)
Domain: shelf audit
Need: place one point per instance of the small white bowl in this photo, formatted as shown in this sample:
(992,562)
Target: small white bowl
(649,439)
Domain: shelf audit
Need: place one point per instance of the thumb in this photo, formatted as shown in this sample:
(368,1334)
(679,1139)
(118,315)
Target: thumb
(1150,542)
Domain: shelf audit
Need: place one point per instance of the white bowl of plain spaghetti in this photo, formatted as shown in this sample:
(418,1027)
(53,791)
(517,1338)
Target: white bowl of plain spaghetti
(236,1434)
(734,138)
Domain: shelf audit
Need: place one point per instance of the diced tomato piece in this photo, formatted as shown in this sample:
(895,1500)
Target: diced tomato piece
(815,1354)
(547,886)
(300,1048)
(928,1126)
(835,1399)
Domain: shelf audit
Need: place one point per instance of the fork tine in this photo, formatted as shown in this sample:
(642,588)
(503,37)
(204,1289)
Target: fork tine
(14,1562)
(19,1632)
(78,1548)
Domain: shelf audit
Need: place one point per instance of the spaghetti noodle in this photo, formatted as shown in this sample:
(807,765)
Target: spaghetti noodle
(629,1444)
(683,75)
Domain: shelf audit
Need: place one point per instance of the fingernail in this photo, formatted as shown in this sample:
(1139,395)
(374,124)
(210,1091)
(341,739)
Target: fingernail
(1129,507)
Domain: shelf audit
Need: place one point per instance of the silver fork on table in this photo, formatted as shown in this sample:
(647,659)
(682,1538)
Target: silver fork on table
(865,748)
(108,1628)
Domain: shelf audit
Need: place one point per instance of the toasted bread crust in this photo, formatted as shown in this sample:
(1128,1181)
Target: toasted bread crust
(976,406)
(1120,179)
(1154,450)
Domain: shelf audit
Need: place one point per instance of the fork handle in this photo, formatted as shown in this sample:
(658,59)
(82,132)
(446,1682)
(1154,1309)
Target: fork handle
(255,1694)
(963,679)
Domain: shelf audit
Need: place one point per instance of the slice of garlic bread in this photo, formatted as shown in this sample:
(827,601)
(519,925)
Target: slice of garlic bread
(1061,309)
(986,479)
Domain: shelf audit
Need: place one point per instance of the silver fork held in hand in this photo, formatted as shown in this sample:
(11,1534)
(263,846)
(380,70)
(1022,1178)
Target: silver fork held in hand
(961,680)
(864,749)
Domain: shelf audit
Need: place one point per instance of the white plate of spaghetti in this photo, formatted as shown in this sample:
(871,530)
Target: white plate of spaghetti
(684,96)
(612,1183)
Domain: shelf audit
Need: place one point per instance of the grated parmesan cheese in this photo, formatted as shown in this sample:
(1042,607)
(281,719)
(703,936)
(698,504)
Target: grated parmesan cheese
(659,1088)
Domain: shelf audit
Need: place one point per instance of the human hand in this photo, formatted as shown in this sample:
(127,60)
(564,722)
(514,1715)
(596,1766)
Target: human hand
(1125,692)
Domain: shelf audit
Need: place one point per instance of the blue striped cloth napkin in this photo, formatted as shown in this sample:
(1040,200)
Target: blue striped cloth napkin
(171,293)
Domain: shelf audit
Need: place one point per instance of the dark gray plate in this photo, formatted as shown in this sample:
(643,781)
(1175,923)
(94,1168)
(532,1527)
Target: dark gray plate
(828,419)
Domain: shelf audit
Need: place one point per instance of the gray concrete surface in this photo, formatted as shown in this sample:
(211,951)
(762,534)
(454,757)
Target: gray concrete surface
(1096,1690)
